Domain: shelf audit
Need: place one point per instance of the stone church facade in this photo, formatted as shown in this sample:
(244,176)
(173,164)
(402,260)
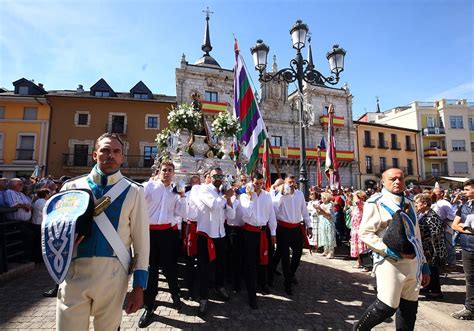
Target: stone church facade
(280,114)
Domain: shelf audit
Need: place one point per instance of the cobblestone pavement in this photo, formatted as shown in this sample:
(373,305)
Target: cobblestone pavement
(330,295)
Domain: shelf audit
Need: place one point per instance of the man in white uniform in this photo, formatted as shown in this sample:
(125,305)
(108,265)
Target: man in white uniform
(399,275)
(97,282)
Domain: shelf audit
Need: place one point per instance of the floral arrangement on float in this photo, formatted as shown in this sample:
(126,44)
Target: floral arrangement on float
(225,127)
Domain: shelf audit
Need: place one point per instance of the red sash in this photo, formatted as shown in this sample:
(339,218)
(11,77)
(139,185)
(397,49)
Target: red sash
(191,239)
(263,241)
(163,226)
(293,226)
(211,248)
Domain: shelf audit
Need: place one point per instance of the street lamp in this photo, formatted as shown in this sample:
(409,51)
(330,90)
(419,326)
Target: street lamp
(300,70)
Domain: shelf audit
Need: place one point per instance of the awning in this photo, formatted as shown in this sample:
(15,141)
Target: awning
(455,179)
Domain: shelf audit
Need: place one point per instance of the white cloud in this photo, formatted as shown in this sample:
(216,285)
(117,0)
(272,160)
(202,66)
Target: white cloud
(462,91)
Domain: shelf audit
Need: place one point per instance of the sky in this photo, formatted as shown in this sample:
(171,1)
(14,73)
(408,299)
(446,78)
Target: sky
(398,50)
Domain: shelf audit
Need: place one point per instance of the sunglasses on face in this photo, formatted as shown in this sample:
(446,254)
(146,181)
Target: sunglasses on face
(216,176)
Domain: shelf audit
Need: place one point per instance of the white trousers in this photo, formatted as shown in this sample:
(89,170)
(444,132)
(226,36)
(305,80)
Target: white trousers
(395,280)
(96,287)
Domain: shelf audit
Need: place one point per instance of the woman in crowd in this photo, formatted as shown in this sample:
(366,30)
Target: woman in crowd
(432,238)
(36,220)
(357,245)
(313,214)
(327,228)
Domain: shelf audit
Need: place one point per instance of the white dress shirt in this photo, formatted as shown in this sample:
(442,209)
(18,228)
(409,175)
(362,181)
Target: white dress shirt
(237,220)
(291,208)
(259,211)
(213,211)
(164,206)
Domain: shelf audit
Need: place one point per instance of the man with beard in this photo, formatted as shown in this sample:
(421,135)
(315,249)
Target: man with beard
(97,282)
(215,205)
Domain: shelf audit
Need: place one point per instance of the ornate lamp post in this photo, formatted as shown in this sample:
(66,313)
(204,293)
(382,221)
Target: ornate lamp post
(300,70)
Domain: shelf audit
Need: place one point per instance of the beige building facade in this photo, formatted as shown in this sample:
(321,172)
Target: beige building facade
(380,147)
(446,135)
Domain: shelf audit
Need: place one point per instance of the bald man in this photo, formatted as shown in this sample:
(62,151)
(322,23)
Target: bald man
(399,275)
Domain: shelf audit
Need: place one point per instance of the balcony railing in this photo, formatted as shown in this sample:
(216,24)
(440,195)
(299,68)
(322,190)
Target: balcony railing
(435,153)
(409,147)
(433,131)
(383,144)
(369,143)
(86,161)
(25,154)
(395,145)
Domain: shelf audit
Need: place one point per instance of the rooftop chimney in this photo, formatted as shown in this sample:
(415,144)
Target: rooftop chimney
(80,89)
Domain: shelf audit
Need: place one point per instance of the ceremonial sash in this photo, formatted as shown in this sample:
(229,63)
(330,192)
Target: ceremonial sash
(211,248)
(293,226)
(105,225)
(263,241)
(409,222)
(163,226)
(190,240)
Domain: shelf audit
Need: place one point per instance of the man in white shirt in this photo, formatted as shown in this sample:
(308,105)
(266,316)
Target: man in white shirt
(15,198)
(258,214)
(444,209)
(165,207)
(214,207)
(290,210)
(190,237)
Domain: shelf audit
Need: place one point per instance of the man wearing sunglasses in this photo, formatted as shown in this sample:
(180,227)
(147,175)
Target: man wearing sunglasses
(258,214)
(214,207)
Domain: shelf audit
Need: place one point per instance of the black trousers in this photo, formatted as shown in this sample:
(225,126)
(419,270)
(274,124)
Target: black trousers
(253,271)
(28,238)
(468,266)
(341,228)
(271,259)
(37,250)
(287,238)
(434,286)
(164,254)
(235,254)
(191,273)
(205,265)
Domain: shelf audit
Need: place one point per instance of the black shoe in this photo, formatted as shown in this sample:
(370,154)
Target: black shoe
(176,302)
(146,319)
(271,284)
(52,293)
(264,290)
(203,306)
(288,290)
(222,294)
(253,304)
